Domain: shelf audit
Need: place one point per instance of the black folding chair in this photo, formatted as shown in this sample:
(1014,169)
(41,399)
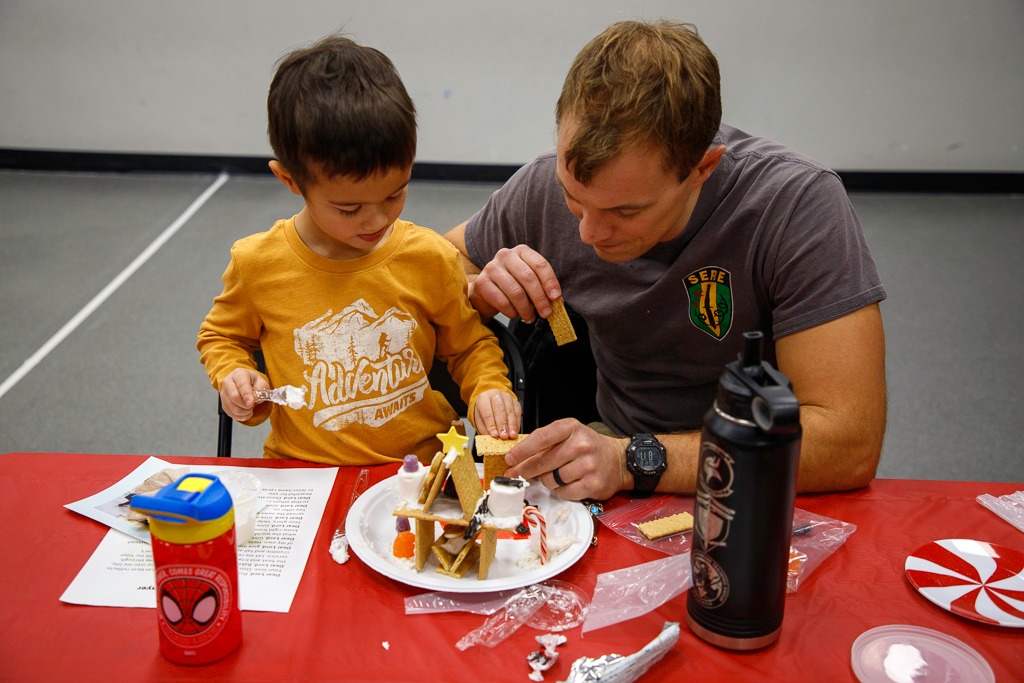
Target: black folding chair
(561,381)
(224,421)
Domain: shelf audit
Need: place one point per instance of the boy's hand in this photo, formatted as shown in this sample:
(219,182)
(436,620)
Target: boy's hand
(236,392)
(498,414)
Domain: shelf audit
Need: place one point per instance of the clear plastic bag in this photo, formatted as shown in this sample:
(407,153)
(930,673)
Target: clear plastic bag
(1009,507)
(625,519)
(631,592)
(551,606)
(814,538)
(506,621)
(565,607)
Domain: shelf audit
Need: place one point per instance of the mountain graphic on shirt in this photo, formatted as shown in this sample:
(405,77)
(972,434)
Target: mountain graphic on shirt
(362,367)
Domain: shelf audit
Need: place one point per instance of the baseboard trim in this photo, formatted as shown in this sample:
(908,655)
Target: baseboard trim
(967,182)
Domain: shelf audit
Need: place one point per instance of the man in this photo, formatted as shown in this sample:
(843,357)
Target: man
(671,235)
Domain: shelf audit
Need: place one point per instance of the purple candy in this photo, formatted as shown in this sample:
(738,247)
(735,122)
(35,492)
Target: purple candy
(411,463)
(401,524)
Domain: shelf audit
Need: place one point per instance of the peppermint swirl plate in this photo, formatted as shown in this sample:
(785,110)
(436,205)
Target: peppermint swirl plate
(974,579)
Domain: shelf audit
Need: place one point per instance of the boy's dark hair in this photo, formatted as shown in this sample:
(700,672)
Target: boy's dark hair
(339,108)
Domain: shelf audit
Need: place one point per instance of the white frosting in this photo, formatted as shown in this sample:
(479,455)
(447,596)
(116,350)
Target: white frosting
(403,562)
(294,397)
(561,516)
(450,457)
(507,501)
(455,544)
(903,663)
(410,484)
(339,550)
(530,559)
(506,523)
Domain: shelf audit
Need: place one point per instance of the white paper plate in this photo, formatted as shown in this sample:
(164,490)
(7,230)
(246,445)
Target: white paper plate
(371,532)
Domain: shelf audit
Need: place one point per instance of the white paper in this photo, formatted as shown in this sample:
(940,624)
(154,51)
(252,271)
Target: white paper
(120,572)
(109,506)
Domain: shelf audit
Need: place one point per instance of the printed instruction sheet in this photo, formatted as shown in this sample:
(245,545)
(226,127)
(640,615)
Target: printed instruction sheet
(291,504)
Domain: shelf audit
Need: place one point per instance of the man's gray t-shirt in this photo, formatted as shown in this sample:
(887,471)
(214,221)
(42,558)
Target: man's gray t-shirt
(773,245)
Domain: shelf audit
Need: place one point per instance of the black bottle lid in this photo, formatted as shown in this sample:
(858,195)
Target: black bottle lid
(752,390)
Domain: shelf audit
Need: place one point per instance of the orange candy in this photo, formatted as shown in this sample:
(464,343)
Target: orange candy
(405,545)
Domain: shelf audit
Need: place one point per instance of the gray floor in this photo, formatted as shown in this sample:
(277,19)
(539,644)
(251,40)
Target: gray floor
(128,379)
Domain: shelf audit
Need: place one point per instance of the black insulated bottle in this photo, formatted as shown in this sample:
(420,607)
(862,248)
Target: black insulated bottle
(746,484)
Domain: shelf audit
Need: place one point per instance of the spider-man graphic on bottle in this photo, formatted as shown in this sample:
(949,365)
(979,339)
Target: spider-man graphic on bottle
(192,525)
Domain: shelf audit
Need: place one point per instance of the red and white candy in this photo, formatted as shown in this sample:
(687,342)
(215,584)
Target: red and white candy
(535,518)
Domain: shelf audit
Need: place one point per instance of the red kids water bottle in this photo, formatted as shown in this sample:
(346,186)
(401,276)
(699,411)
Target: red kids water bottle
(192,524)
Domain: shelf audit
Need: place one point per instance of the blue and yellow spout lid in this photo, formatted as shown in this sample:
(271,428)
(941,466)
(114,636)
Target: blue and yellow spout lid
(192,509)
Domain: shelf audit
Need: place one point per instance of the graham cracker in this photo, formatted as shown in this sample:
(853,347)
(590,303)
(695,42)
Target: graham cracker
(488,544)
(466,552)
(428,481)
(444,556)
(467,483)
(493,453)
(666,526)
(435,485)
(561,327)
(464,562)
(424,540)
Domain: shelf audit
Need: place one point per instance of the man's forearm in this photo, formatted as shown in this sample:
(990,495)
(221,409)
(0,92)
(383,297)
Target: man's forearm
(831,458)
(836,457)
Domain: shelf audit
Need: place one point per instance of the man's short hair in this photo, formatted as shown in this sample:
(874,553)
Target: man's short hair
(338,108)
(640,82)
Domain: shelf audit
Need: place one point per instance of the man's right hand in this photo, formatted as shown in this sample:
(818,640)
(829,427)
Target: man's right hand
(518,282)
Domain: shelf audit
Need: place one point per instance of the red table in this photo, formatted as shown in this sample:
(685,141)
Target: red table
(342,614)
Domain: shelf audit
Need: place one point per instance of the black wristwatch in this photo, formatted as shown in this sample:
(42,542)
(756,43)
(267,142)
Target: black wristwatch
(646,460)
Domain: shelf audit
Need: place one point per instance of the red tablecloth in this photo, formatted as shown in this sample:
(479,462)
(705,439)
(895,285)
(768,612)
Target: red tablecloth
(343,614)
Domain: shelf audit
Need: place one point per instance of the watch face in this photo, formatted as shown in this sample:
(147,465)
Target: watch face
(648,458)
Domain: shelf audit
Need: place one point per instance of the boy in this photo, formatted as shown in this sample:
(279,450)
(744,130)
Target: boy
(344,299)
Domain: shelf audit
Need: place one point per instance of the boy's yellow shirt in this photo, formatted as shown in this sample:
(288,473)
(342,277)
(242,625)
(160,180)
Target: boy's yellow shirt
(360,335)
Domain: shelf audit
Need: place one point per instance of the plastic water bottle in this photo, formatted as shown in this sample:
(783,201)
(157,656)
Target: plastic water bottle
(192,524)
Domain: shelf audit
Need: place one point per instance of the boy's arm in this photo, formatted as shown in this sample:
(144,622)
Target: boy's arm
(227,341)
(475,360)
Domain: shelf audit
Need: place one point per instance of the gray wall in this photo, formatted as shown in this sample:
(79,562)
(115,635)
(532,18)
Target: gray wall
(916,85)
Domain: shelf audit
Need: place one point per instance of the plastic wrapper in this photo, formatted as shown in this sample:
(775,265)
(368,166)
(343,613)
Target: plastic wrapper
(615,668)
(1009,507)
(550,606)
(634,591)
(542,660)
(565,607)
(814,538)
(506,621)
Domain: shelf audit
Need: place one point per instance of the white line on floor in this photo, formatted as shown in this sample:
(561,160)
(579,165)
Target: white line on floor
(112,287)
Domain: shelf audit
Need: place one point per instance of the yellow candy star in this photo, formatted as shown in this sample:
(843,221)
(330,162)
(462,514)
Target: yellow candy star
(453,440)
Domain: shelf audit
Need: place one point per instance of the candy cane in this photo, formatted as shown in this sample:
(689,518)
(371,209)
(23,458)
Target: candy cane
(534,517)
